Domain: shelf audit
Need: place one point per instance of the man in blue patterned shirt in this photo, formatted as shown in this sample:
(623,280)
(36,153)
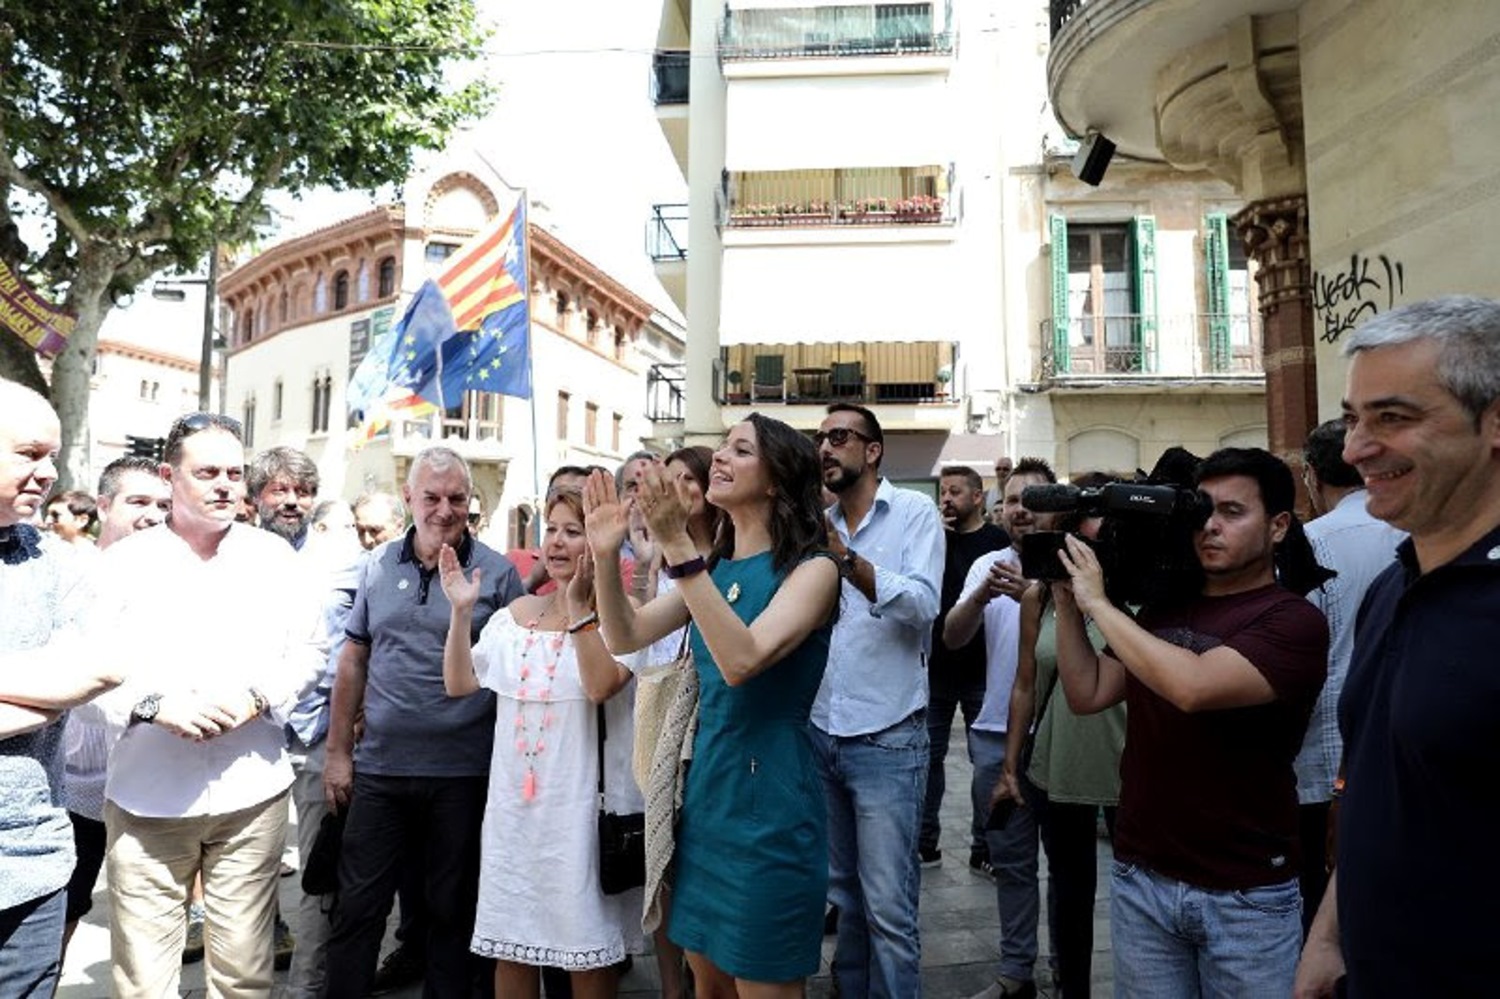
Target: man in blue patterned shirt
(41,591)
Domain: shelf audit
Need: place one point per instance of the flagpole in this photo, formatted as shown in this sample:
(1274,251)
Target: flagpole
(536,474)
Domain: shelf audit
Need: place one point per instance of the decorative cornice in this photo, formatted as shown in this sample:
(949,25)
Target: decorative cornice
(1274,232)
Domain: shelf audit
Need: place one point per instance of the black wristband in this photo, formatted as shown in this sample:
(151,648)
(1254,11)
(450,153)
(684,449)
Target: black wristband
(691,567)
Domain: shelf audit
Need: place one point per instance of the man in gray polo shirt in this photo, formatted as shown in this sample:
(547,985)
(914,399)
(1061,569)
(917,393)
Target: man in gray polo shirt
(415,786)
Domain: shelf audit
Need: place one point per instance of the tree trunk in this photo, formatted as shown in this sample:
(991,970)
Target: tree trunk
(18,362)
(72,369)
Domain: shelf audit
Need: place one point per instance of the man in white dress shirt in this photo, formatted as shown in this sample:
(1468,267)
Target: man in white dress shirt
(221,641)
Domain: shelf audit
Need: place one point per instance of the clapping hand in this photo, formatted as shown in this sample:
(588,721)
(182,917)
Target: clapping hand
(580,591)
(605,515)
(462,593)
(660,499)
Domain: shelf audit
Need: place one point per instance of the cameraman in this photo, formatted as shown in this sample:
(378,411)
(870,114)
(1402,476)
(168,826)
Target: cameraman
(1204,894)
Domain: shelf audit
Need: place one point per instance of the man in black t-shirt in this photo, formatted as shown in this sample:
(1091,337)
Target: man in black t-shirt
(955,677)
(1204,897)
(1410,909)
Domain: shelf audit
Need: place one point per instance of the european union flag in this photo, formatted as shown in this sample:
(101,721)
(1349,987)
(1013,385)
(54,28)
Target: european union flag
(426,327)
(486,285)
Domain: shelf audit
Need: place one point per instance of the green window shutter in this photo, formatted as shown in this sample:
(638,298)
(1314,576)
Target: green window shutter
(1144,231)
(1059,227)
(1216,273)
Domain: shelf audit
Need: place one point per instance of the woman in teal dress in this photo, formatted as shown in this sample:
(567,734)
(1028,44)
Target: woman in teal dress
(752,849)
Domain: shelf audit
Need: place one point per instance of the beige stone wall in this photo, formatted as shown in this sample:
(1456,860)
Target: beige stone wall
(1403,159)
(1126,431)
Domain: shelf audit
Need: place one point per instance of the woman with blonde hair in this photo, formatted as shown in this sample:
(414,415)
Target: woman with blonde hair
(540,901)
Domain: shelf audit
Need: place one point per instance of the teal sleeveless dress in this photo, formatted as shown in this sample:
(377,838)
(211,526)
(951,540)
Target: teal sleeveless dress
(752,845)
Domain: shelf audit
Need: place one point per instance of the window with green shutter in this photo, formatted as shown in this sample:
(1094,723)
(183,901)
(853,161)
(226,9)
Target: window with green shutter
(1216,278)
(1144,230)
(1059,227)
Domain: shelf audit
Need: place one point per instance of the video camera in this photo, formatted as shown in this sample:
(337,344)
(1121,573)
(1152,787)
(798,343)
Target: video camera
(1145,543)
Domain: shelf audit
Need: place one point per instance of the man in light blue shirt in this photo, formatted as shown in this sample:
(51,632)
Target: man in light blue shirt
(869,727)
(1346,539)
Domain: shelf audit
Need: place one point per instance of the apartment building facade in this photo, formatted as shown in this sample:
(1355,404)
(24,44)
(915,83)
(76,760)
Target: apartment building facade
(880,211)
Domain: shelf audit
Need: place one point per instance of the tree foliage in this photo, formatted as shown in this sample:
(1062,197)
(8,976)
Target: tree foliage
(145,132)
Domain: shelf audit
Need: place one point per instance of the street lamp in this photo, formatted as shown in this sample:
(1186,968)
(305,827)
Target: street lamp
(172,291)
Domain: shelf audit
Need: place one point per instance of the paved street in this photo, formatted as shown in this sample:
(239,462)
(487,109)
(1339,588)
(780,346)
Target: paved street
(960,927)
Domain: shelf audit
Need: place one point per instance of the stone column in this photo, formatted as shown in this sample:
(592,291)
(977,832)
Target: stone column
(1274,232)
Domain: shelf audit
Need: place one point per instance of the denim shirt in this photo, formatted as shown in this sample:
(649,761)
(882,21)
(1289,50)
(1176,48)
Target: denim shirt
(1359,547)
(877,658)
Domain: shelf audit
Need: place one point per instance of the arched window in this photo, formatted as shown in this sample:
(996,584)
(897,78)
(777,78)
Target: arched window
(282,308)
(387,285)
(340,291)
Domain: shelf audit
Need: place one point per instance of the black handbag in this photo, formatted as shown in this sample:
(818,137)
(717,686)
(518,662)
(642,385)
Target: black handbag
(622,838)
(320,868)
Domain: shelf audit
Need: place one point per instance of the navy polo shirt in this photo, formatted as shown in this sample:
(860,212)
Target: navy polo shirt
(412,727)
(1418,878)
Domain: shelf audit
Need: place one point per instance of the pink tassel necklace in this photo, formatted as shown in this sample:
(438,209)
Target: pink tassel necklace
(530,743)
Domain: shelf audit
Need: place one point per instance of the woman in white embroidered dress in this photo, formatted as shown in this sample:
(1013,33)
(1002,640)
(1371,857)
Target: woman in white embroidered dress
(539,896)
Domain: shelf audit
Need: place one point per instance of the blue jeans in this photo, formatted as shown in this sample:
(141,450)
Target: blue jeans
(1013,855)
(874,784)
(31,946)
(946,696)
(1173,940)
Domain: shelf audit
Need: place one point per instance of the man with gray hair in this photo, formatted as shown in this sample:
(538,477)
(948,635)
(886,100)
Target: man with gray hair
(1346,539)
(1408,909)
(415,786)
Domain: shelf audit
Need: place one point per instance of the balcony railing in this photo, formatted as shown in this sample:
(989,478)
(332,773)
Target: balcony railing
(666,392)
(849,196)
(669,76)
(821,32)
(1129,347)
(667,233)
(791,373)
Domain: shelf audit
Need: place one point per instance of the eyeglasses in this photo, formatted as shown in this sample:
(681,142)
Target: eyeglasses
(839,436)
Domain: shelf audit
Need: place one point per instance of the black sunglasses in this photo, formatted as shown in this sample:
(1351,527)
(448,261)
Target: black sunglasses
(839,436)
(193,423)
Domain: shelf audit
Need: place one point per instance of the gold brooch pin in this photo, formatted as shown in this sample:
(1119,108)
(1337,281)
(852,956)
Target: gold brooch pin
(733,593)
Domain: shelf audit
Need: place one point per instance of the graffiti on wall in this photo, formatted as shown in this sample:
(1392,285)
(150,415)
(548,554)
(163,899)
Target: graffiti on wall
(1340,300)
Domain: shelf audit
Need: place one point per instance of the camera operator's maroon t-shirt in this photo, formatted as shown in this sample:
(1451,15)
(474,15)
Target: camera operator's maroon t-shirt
(1210,798)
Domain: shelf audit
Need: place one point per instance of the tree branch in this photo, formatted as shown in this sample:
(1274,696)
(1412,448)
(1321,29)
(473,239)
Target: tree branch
(59,205)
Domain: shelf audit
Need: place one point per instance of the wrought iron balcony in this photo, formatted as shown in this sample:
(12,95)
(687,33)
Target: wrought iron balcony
(670,69)
(667,233)
(666,392)
(845,196)
(867,373)
(830,32)
(1130,347)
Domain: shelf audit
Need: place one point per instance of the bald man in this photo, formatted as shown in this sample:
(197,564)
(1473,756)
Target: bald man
(42,593)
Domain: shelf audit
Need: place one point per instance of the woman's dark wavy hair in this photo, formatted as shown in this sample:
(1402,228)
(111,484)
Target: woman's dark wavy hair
(797,526)
(698,460)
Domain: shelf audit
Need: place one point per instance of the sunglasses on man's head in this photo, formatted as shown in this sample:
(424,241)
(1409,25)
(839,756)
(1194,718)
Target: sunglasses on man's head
(839,436)
(192,423)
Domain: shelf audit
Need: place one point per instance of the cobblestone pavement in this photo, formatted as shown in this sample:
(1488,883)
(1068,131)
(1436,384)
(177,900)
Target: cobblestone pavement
(960,925)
